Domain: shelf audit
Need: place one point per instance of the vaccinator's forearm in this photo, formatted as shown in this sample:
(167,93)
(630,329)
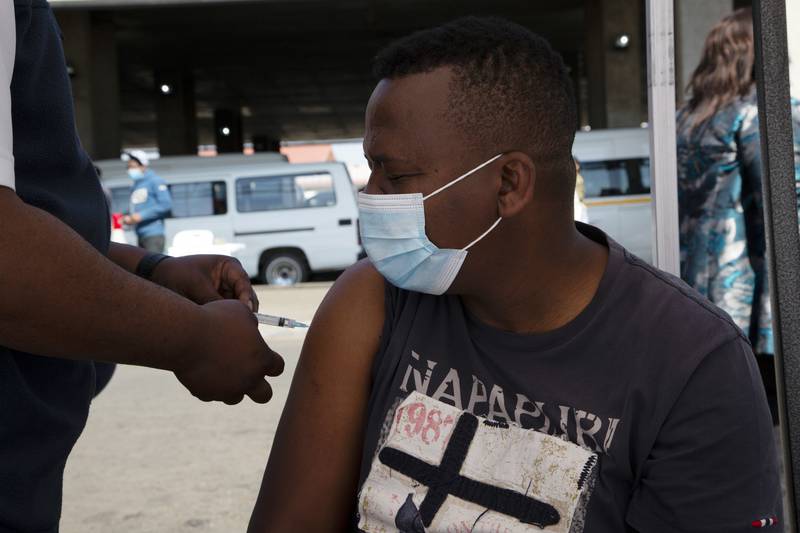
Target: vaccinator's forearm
(60,297)
(126,256)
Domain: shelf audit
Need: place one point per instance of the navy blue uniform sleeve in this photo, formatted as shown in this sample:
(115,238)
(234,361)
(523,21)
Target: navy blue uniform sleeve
(162,205)
(713,467)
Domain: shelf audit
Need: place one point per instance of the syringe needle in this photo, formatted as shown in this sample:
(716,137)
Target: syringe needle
(279,321)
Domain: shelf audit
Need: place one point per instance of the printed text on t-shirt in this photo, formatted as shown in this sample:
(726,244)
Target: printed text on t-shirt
(580,426)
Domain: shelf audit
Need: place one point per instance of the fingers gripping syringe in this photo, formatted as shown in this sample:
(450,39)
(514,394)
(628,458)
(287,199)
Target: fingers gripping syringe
(279,321)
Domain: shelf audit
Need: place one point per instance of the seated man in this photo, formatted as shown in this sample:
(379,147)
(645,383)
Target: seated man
(522,372)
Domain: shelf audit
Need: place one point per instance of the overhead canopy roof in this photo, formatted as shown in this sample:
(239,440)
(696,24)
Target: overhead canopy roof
(297,69)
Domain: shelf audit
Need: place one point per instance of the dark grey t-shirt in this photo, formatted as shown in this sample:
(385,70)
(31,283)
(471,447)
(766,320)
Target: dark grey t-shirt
(650,376)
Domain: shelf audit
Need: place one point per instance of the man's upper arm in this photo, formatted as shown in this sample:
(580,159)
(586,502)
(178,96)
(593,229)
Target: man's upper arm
(713,467)
(316,454)
(8,42)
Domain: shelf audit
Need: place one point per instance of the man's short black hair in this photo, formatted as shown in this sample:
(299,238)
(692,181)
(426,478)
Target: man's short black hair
(511,89)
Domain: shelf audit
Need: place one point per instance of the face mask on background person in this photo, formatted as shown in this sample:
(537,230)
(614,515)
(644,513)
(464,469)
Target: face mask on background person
(135,173)
(392,228)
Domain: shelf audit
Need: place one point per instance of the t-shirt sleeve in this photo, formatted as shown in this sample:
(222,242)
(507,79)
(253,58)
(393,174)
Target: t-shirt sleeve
(8,42)
(713,466)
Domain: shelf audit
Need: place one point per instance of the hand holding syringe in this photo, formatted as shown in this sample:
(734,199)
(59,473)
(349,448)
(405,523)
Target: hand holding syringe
(279,321)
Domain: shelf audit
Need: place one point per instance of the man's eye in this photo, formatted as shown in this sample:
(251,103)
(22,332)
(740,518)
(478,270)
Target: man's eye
(393,177)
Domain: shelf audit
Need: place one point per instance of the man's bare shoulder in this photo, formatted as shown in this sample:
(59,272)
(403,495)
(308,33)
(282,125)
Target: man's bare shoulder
(359,284)
(354,308)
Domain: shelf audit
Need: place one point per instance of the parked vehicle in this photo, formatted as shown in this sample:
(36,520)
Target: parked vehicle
(615,165)
(293,219)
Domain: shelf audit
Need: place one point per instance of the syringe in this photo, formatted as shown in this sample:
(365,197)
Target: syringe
(279,321)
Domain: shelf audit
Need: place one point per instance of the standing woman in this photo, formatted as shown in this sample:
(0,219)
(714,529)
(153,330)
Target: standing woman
(719,187)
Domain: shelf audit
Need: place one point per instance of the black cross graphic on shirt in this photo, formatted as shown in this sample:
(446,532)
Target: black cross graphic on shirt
(445,479)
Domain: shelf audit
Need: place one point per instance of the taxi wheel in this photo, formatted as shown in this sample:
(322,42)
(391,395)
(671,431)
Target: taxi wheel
(284,269)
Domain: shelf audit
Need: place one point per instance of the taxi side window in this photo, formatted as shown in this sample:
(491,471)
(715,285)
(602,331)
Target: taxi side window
(616,178)
(199,199)
(272,193)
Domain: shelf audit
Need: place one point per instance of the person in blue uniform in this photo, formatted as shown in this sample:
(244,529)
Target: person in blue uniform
(151,202)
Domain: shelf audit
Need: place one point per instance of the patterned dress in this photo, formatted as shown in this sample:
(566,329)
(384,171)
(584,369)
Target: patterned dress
(722,232)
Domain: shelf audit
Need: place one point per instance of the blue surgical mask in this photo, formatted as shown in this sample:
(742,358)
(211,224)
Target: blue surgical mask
(135,173)
(392,230)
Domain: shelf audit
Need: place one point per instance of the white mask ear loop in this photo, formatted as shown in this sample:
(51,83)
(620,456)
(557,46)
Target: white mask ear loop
(485,233)
(440,189)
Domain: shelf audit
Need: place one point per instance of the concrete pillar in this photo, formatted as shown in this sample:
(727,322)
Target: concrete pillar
(106,124)
(228,131)
(91,53)
(175,111)
(615,63)
(693,20)
(76,29)
(595,65)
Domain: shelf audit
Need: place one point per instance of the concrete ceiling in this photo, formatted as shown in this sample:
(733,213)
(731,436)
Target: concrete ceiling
(299,69)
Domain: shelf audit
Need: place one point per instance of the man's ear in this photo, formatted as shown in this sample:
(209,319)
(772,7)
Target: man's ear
(517,181)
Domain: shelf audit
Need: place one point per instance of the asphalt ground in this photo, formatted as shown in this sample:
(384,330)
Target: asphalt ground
(155,459)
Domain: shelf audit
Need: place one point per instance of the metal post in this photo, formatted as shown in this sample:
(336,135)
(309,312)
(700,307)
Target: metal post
(663,155)
(783,238)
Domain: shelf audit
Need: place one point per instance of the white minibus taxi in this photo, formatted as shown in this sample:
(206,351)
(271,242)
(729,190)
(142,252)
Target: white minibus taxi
(293,219)
(615,165)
